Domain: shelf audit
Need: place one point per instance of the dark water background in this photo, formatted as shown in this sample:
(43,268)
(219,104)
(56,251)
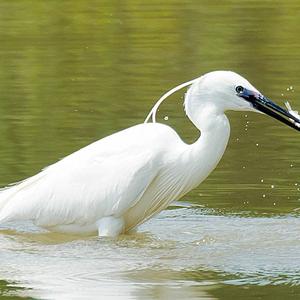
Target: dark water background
(72,72)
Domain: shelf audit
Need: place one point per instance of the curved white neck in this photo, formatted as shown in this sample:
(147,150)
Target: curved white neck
(204,155)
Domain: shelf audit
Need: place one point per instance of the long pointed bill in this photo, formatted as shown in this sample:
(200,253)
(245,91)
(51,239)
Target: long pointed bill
(270,108)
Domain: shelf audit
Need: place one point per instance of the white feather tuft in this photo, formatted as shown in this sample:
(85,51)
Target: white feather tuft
(154,109)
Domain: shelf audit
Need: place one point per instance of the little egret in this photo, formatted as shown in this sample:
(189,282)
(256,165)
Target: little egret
(114,184)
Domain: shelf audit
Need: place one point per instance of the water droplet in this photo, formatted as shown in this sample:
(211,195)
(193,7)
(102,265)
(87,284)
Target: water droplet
(244,167)
(274,203)
(264,196)
(256,145)
(296,183)
(166,118)
(291,87)
(291,165)
(261,180)
(246,116)
(237,139)
(272,186)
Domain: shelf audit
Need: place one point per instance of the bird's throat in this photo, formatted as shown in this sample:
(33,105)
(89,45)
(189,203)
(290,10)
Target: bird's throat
(204,155)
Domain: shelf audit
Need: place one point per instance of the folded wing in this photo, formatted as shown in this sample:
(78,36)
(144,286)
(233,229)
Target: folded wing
(105,178)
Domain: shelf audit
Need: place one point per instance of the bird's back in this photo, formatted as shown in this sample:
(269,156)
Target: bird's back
(105,178)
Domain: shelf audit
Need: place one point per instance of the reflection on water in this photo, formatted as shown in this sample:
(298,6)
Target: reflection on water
(188,248)
(74,71)
(10,290)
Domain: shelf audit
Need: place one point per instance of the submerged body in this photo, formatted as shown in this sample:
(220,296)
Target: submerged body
(120,181)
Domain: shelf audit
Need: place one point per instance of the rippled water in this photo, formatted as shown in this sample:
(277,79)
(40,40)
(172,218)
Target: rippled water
(185,252)
(72,72)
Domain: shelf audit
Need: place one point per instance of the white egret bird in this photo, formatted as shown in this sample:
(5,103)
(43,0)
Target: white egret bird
(120,181)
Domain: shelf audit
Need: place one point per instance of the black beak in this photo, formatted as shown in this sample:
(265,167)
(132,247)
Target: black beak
(268,107)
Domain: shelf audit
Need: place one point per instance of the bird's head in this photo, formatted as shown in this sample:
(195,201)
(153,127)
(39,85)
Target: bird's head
(226,90)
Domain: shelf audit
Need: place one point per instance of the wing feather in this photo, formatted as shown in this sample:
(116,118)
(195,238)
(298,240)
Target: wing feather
(105,178)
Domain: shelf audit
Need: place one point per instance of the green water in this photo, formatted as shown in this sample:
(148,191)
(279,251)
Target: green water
(72,72)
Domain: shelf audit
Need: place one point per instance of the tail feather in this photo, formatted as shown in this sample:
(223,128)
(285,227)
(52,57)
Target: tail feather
(8,193)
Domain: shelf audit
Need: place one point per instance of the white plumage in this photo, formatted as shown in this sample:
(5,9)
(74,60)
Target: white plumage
(120,181)
(126,175)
